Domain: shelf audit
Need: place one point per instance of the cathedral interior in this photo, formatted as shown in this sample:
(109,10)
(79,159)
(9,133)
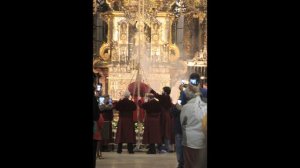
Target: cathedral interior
(157,42)
(162,40)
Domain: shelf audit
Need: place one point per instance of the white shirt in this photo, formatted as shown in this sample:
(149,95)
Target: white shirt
(191,122)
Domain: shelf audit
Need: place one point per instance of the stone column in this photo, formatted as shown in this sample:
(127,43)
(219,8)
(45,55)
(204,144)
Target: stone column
(179,35)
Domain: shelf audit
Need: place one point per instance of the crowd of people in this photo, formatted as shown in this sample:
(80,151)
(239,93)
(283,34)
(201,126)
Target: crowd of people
(165,123)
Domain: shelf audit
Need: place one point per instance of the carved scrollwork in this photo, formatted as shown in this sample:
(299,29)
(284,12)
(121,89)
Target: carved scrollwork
(105,51)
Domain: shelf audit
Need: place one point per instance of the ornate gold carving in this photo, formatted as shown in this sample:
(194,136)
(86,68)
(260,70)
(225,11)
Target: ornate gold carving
(155,37)
(105,51)
(201,16)
(96,65)
(123,36)
(107,16)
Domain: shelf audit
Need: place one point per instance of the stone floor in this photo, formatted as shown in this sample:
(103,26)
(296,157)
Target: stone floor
(137,160)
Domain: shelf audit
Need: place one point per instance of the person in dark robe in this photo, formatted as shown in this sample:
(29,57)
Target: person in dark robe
(152,123)
(166,105)
(125,131)
(107,112)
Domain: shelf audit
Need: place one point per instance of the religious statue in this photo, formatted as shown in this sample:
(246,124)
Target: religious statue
(123,32)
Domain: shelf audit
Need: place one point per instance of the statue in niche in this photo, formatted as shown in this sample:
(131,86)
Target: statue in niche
(155,35)
(123,32)
(147,34)
(116,5)
(123,27)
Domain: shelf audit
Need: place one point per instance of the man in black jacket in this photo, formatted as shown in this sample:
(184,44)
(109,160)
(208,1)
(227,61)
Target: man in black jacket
(175,112)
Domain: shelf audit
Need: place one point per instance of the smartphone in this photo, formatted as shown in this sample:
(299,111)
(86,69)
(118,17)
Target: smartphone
(179,102)
(182,81)
(101,100)
(98,87)
(193,81)
(110,101)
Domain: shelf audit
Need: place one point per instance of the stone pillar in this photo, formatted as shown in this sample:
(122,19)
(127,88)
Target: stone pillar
(179,35)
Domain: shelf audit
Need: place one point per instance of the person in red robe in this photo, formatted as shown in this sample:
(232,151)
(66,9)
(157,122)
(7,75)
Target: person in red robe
(97,135)
(152,132)
(166,105)
(125,131)
(96,116)
(141,111)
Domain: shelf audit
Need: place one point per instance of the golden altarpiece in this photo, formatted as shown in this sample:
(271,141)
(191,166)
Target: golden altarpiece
(140,36)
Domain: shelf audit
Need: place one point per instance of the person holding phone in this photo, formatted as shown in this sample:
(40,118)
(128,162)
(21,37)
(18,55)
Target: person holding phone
(193,132)
(101,101)
(175,112)
(165,102)
(107,112)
